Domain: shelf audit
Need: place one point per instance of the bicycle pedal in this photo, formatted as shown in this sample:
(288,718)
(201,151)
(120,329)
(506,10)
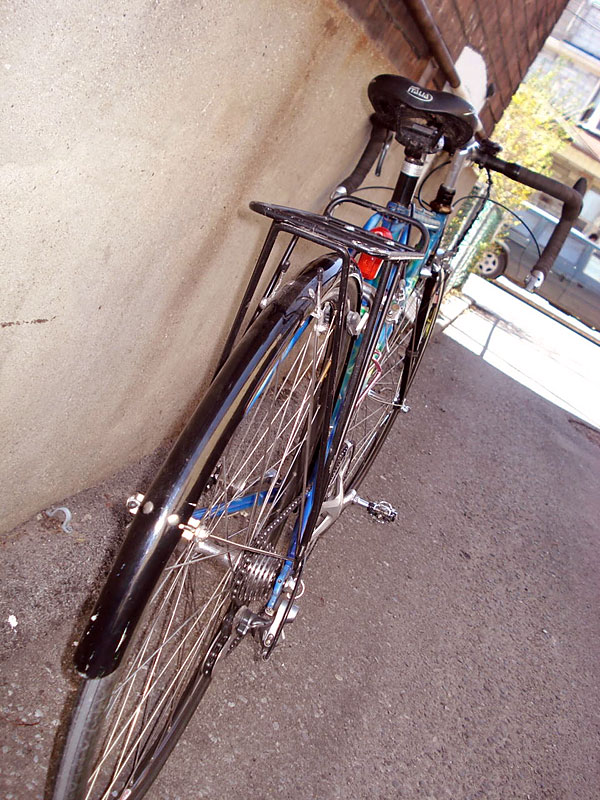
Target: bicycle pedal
(382,511)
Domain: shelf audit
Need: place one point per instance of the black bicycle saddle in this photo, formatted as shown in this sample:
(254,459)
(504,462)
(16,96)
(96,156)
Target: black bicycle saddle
(399,102)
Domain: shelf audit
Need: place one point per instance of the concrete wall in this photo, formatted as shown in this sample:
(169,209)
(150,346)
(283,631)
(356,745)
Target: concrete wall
(133,136)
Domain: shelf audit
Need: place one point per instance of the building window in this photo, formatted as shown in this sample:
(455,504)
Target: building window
(590,119)
(583,24)
(592,268)
(591,206)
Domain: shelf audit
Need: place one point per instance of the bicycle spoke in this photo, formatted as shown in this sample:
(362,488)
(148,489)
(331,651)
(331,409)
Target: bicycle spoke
(254,491)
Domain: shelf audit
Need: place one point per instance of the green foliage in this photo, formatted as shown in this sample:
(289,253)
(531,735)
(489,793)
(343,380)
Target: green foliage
(457,221)
(531,131)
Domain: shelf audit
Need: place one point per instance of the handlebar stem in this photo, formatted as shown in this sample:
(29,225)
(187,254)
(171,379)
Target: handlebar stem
(447,189)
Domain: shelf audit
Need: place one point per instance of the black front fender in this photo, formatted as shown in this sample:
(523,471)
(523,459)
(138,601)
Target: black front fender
(154,532)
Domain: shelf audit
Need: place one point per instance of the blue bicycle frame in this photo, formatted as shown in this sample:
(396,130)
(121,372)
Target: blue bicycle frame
(435,224)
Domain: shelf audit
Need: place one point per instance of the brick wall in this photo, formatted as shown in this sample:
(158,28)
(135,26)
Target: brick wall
(507,33)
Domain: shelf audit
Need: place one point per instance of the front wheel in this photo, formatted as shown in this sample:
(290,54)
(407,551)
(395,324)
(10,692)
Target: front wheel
(392,368)
(125,725)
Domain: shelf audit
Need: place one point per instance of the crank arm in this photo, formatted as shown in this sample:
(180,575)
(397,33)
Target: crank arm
(333,508)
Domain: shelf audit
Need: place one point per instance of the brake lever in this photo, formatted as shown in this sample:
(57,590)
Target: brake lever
(383,153)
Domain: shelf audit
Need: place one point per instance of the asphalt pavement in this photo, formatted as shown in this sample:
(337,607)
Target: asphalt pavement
(452,654)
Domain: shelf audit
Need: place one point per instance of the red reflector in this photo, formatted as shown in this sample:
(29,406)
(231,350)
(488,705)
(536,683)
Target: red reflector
(369,265)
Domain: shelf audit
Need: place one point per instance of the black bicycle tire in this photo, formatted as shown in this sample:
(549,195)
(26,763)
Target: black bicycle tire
(94,695)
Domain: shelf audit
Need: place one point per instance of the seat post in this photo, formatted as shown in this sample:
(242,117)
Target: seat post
(414,162)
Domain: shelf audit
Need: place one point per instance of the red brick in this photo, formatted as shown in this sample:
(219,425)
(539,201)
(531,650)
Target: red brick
(508,33)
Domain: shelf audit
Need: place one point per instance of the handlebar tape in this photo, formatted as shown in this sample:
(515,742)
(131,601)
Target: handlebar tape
(366,161)
(571,198)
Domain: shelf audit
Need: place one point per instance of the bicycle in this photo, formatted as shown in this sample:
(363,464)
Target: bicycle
(311,378)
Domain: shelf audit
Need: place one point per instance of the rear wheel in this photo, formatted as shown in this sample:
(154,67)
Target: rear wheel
(125,725)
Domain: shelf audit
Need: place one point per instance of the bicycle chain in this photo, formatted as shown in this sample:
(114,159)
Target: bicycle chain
(337,464)
(226,638)
(219,642)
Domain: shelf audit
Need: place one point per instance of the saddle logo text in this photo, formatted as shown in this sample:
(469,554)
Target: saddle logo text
(420,94)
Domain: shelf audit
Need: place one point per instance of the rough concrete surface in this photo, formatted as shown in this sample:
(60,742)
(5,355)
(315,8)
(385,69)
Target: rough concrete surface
(453,654)
(134,136)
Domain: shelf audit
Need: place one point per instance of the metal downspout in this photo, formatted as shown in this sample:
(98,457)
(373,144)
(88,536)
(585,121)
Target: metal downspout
(433,36)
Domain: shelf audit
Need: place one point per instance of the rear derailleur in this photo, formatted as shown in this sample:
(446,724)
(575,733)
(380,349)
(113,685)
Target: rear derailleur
(266,630)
